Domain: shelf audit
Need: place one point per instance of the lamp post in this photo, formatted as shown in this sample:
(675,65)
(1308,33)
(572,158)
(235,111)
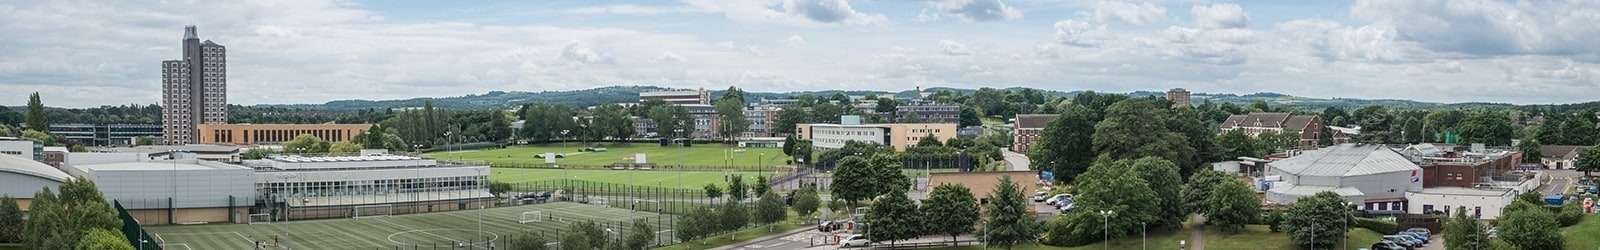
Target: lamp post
(1346,222)
(564,139)
(678,133)
(480,181)
(173,203)
(1144,241)
(286,212)
(1105,220)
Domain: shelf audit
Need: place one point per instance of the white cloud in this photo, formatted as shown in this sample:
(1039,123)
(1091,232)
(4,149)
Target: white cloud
(1220,16)
(791,12)
(668,56)
(1123,12)
(978,10)
(954,48)
(580,53)
(1491,28)
(795,41)
(634,9)
(1080,34)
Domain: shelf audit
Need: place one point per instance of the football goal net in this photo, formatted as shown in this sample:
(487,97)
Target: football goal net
(532,216)
(372,211)
(259,219)
(600,202)
(652,206)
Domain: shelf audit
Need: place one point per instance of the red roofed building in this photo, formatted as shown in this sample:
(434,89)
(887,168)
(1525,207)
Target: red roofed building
(1254,124)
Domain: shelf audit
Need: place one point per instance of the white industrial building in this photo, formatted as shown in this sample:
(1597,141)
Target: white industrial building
(24,147)
(1373,177)
(1485,202)
(21,177)
(327,187)
(167,191)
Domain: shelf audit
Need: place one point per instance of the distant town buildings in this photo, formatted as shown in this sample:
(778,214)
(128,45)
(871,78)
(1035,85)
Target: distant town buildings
(896,135)
(194,90)
(701,96)
(254,134)
(1253,124)
(114,134)
(1179,97)
(1027,129)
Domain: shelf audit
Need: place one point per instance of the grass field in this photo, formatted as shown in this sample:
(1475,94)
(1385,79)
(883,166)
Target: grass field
(697,155)
(420,230)
(1584,235)
(652,178)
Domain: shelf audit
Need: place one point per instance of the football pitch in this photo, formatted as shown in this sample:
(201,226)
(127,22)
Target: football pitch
(649,178)
(699,155)
(413,231)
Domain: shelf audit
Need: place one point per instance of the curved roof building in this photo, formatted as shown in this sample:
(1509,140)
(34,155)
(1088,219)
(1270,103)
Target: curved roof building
(1373,176)
(22,177)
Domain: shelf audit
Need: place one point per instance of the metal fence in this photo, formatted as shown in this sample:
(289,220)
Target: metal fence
(133,231)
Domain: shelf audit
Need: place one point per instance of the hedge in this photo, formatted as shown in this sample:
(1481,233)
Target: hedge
(1377,225)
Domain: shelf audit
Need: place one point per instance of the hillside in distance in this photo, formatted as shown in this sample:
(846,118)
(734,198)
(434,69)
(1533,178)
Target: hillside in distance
(630,94)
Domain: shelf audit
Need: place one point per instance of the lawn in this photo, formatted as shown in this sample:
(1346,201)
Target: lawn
(741,235)
(701,155)
(415,230)
(1584,235)
(648,178)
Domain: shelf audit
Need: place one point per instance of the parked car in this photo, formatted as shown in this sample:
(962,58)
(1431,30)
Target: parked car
(1054,199)
(854,240)
(1423,237)
(1040,196)
(1424,231)
(539,197)
(1494,232)
(1402,241)
(1387,245)
(1067,209)
(1420,242)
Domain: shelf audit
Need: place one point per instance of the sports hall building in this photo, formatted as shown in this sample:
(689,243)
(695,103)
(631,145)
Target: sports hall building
(371,185)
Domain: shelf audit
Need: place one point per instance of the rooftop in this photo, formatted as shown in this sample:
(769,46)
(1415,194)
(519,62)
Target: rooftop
(26,166)
(296,158)
(1034,120)
(164,149)
(1495,192)
(158,166)
(1345,160)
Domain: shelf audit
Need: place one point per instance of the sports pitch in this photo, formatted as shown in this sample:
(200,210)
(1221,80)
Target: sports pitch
(701,155)
(421,231)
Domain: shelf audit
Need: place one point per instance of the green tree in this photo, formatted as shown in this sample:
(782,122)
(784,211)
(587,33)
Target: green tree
(1113,186)
(806,201)
(1377,125)
(788,145)
(1313,219)
(669,119)
(886,169)
(1066,145)
(1531,152)
(1009,222)
(35,116)
(769,210)
(951,210)
(1550,128)
(1162,178)
(529,240)
(305,144)
(1492,128)
(969,117)
(1579,129)
(788,116)
(886,105)
(1200,135)
(1531,229)
(1464,232)
(59,222)
(911,117)
(344,147)
(1136,128)
(893,218)
(104,239)
(854,180)
(1197,192)
(498,187)
(11,222)
(584,235)
(712,191)
(733,122)
(760,187)
(639,236)
(1232,205)
(1588,160)
(257,153)
(695,225)
(733,217)
(736,188)
(929,141)
(43,137)
(733,93)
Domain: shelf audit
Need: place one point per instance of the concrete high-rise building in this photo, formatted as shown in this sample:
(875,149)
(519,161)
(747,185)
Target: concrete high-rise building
(1179,97)
(194,90)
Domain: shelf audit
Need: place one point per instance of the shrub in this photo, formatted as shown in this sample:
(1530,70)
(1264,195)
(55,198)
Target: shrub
(1061,233)
(1377,225)
(1272,219)
(1570,214)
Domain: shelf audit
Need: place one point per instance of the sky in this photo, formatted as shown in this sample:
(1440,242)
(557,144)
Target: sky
(79,53)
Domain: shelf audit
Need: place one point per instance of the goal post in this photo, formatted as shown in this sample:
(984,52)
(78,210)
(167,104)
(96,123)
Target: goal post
(652,206)
(599,201)
(531,216)
(259,219)
(372,211)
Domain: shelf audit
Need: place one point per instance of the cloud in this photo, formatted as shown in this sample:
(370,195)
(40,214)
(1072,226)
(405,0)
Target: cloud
(1128,13)
(1490,28)
(1334,41)
(1220,16)
(978,10)
(954,48)
(791,12)
(795,41)
(1080,34)
(580,53)
(668,56)
(634,9)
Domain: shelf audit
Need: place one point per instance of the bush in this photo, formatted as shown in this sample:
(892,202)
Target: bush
(1272,220)
(1570,214)
(1377,225)
(1060,233)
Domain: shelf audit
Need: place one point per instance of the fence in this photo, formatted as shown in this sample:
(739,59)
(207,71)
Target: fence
(133,231)
(541,165)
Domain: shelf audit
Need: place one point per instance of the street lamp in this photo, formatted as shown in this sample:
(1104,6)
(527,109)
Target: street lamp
(1346,222)
(480,181)
(564,139)
(286,212)
(1105,220)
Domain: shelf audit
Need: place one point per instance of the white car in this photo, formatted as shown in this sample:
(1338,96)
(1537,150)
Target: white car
(854,240)
(1053,200)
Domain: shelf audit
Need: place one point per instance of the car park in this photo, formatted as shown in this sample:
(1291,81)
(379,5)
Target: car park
(1419,242)
(1424,231)
(1387,245)
(1419,236)
(1402,241)
(1040,196)
(854,240)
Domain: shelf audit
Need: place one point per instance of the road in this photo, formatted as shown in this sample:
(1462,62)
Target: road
(1017,161)
(1559,181)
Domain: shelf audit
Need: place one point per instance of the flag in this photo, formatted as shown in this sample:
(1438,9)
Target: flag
(1414,178)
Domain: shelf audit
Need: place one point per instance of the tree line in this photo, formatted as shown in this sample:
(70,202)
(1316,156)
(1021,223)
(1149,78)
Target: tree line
(78,217)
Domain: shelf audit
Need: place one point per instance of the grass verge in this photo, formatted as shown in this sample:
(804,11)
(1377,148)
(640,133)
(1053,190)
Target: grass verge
(742,235)
(1584,235)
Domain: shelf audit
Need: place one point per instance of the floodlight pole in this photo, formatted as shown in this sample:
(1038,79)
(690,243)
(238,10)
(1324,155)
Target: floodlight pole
(1105,219)
(481,206)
